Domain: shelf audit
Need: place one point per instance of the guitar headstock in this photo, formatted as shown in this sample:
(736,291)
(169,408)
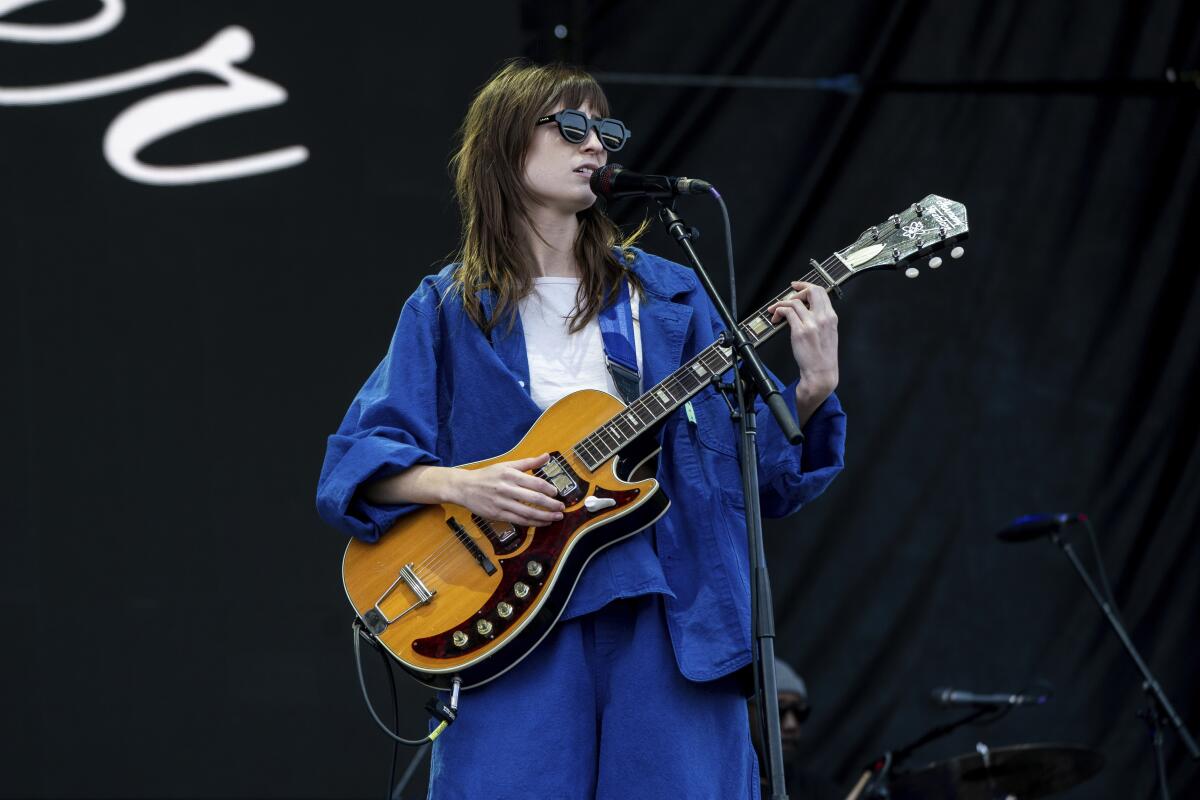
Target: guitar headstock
(922,229)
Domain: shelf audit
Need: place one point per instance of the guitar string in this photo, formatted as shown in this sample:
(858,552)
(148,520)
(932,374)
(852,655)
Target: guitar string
(447,553)
(431,563)
(604,451)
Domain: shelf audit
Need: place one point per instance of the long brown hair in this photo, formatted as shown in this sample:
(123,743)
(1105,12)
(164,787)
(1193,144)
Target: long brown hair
(493,200)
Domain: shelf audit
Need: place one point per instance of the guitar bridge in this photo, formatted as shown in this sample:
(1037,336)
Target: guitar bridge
(377,621)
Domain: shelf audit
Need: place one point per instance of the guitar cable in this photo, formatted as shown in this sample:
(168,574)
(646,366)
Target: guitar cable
(445,713)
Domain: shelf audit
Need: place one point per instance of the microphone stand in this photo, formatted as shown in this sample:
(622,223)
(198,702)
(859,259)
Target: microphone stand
(1159,710)
(755,380)
(874,782)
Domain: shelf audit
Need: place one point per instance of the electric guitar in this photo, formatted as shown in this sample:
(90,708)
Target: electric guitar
(450,594)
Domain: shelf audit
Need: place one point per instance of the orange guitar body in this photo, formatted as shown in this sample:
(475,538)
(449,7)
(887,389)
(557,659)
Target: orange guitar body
(454,596)
(451,595)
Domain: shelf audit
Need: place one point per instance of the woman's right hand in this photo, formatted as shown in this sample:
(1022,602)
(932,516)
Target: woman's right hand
(505,492)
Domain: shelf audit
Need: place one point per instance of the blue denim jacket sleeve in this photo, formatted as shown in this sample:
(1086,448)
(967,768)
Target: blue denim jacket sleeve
(789,476)
(391,425)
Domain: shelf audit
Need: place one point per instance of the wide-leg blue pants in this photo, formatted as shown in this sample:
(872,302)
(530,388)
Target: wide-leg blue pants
(599,710)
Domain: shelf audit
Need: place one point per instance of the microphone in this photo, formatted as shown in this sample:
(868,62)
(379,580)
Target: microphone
(954,698)
(613,181)
(1035,526)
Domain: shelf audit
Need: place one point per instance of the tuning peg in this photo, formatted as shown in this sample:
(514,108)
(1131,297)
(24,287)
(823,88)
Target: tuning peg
(935,262)
(912,272)
(957,252)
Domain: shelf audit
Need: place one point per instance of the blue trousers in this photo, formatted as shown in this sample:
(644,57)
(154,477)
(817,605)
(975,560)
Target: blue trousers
(599,710)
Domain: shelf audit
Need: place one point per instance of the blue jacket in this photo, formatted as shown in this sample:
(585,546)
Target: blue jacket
(445,395)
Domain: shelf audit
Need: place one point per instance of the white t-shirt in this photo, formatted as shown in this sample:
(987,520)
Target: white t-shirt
(561,362)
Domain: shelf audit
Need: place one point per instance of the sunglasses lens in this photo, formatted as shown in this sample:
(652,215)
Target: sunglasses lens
(574,126)
(612,134)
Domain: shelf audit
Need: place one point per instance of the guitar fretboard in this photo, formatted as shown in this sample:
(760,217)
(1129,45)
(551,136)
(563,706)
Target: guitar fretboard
(687,381)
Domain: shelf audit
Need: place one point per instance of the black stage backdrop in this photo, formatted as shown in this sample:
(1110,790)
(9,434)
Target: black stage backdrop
(177,352)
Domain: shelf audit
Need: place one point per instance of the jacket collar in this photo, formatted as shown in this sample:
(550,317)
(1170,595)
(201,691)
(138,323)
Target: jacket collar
(660,276)
(664,325)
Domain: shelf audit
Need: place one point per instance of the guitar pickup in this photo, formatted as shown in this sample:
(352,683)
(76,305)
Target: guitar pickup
(465,539)
(559,474)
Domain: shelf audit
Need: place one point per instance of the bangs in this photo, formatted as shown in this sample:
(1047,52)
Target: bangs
(578,90)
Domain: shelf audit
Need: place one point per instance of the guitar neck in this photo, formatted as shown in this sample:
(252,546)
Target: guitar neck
(686,382)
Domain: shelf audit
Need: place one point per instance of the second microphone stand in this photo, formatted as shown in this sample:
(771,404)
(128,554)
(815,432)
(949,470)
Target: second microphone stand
(1159,712)
(752,379)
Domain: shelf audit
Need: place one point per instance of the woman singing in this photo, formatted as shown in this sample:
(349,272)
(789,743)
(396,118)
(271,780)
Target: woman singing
(632,694)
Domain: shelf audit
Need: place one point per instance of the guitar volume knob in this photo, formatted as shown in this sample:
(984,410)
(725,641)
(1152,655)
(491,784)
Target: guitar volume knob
(534,568)
(459,638)
(484,627)
(521,589)
(505,610)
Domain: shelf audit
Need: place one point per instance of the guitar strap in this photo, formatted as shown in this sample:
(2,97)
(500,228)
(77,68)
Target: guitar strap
(616,327)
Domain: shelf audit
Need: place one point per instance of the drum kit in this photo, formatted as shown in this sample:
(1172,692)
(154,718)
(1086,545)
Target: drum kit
(1019,772)
(1024,771)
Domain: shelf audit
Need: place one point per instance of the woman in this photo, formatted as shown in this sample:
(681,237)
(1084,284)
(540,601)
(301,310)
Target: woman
(632,694)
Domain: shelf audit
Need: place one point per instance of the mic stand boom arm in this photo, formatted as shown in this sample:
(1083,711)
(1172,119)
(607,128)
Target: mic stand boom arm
(761,612)
(752,364)
(1160,707)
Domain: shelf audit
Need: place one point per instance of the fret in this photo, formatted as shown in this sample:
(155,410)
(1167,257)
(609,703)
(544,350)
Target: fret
(633,409)
(652,404)
(606,438)
(758,325)
(716,361)
(593,444)
(623,418)
(687,381)
(617,434)
(581,452)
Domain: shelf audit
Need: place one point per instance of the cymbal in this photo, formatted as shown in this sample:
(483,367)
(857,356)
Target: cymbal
(1022,771)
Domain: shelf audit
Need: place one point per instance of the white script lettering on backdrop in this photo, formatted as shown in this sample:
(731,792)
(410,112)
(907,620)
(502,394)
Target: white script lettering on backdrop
(157,117)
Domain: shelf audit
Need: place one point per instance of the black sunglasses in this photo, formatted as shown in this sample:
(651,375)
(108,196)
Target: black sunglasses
(574,125)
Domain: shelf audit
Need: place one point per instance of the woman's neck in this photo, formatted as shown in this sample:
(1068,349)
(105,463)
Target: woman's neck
(554,250)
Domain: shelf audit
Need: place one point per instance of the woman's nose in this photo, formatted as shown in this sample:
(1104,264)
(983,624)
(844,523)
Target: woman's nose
(592,142)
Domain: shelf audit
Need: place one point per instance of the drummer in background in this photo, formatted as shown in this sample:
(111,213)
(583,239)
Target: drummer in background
(801,783)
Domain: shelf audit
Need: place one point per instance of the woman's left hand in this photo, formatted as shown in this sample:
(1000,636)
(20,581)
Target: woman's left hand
(814,336)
